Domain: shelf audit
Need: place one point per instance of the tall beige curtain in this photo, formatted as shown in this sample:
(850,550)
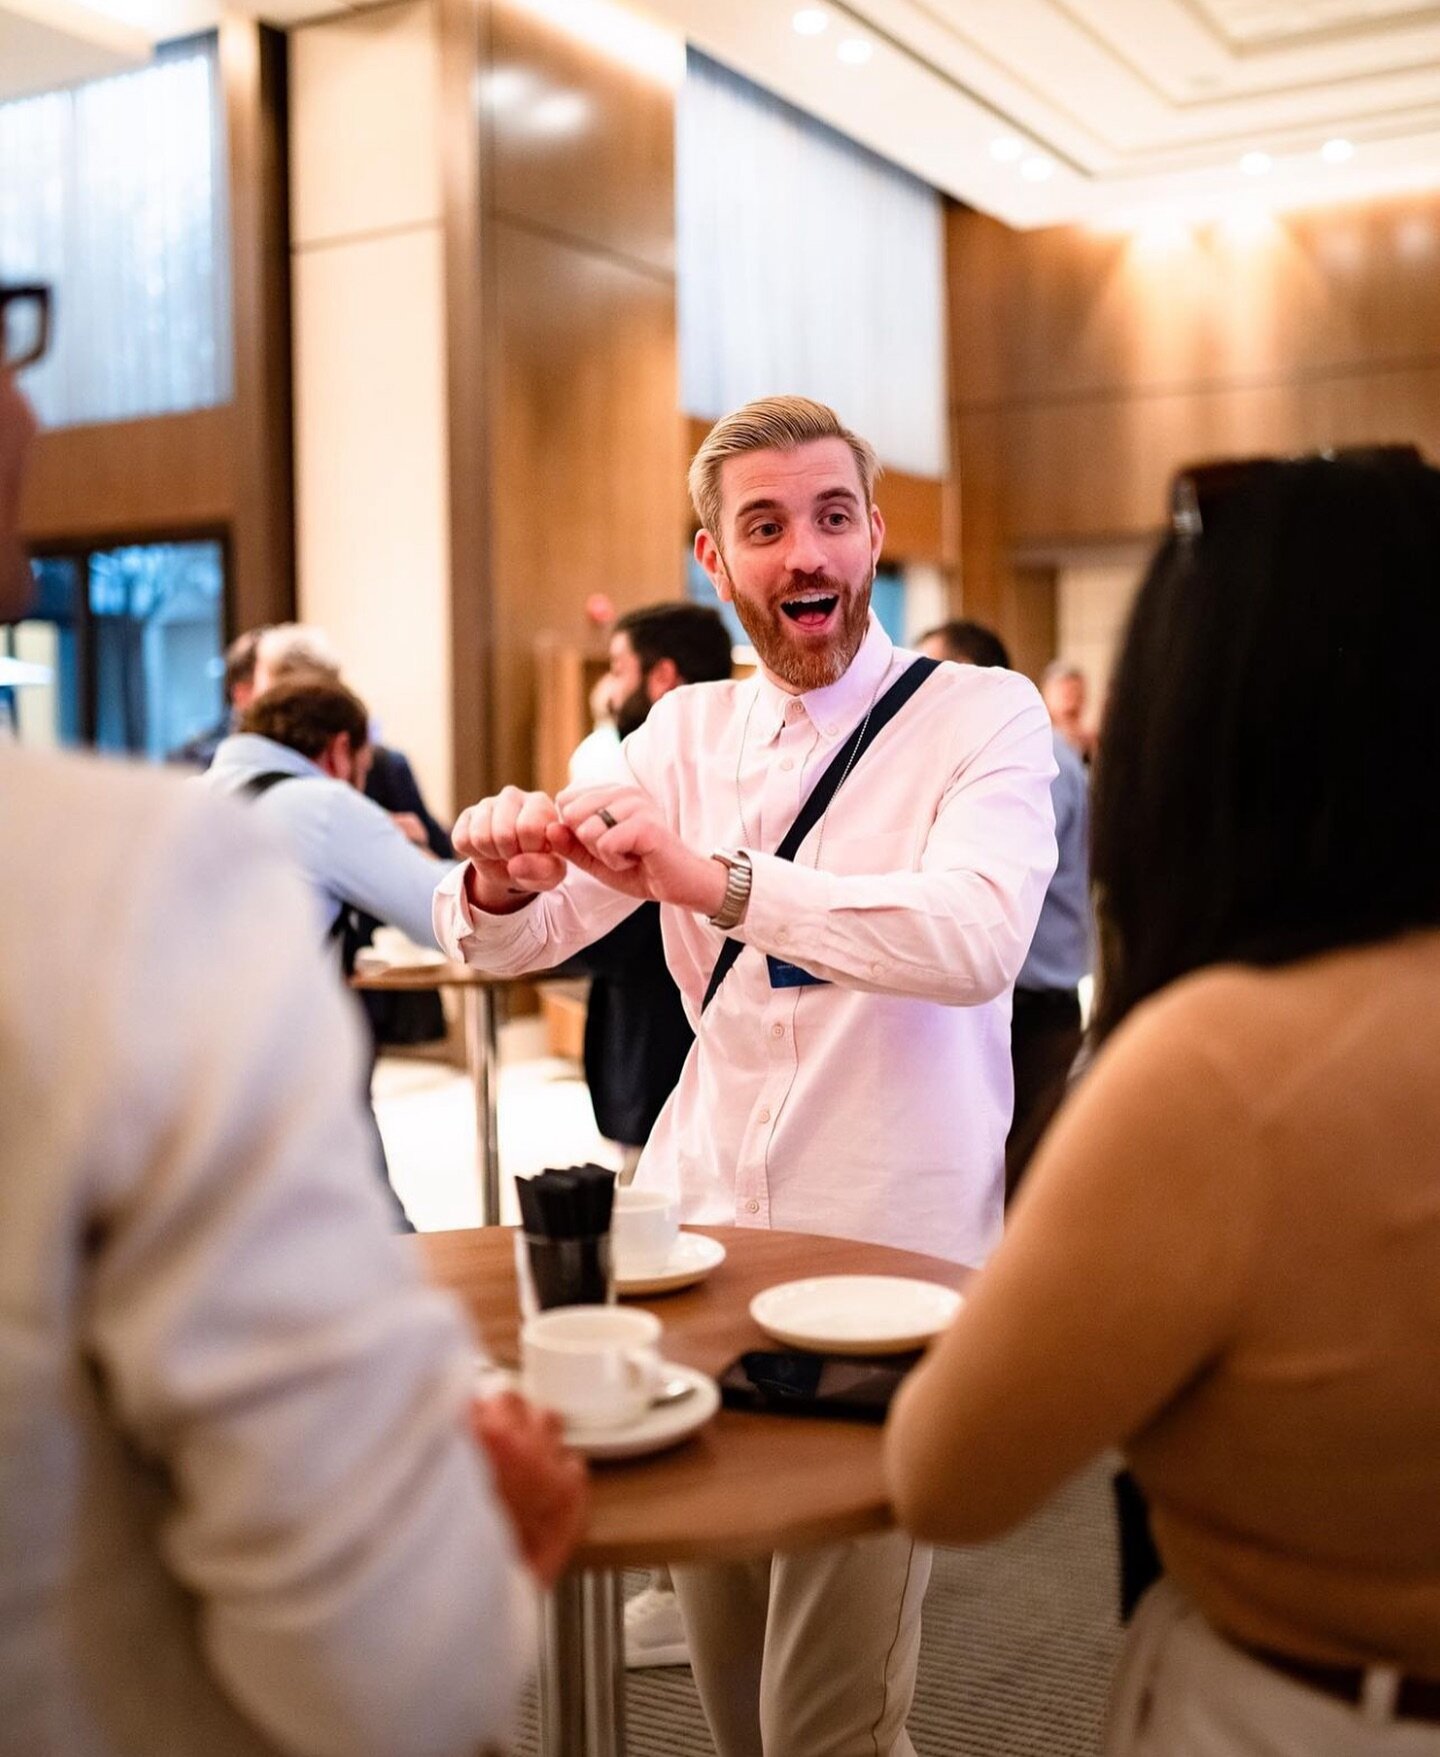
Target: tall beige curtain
(114,191)
(806,264)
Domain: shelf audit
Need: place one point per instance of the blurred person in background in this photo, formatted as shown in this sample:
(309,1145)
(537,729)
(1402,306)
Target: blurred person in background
(1066,697)
(242,1507)
(1226,1257)
(292,650)
(199,752)
(301,754)
(1045,1031)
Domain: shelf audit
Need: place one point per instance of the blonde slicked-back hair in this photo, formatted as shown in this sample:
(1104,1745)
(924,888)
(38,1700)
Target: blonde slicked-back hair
(771,424)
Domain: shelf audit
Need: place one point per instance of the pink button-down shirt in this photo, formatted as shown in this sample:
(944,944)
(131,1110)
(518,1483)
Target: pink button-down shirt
(875,1106)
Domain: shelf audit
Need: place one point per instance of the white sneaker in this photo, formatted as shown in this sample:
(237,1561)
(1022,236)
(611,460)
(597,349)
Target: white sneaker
(654,1634)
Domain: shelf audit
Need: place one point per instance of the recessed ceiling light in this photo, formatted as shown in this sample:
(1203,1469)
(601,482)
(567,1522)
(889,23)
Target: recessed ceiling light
(1335,152)
(855,51)
(1256,164)
(1037,168)
(810,21)
(1007,148)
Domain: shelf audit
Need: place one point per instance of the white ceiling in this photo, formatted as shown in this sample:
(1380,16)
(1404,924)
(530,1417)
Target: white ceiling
(1115,110)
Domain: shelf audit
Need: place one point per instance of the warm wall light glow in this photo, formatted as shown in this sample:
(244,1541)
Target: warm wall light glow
(1337,151)
(562,113)
(855,51)
(1162,230)
(505,88)
(1006,148)
(1037,169)
(1256,164)
(637,43)
(1246,222)
(810,21)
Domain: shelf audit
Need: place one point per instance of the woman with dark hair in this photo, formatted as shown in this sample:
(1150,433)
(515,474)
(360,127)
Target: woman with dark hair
(1226,1258)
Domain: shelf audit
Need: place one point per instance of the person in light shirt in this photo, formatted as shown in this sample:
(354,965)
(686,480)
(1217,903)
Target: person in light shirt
(247,1505)
(851,1075)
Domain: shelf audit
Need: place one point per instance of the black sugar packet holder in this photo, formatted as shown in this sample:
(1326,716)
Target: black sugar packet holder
(796,1382)
(565,1217)
(844,760)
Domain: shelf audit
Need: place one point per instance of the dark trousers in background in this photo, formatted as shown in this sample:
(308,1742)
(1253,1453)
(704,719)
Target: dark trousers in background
(1044,1041)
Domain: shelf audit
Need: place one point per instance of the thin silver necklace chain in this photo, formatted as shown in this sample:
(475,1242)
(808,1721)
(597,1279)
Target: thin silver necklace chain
(753,841)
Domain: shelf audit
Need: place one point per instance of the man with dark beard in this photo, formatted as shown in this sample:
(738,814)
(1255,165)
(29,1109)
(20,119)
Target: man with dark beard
(851,1075)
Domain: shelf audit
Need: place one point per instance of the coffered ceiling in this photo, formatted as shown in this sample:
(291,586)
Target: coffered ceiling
(1039,111)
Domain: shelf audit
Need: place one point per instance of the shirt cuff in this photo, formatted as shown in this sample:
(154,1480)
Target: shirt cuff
(789,907)
(470,936)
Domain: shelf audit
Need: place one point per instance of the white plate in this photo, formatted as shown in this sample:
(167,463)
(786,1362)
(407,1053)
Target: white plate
(657,1428)
(691,1259)
(855,1314)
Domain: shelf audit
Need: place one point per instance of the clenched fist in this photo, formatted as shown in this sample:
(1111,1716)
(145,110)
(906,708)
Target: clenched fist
(506,841)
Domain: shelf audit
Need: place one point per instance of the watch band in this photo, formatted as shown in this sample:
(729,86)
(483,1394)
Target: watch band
(738,877)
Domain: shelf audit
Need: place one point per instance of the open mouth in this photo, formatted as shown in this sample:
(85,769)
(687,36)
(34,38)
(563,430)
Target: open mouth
(810,609)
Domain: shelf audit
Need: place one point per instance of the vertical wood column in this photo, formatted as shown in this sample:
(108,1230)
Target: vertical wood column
(253,76)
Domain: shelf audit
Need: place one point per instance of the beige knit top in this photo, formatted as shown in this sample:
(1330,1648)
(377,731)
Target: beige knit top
(1226,1260)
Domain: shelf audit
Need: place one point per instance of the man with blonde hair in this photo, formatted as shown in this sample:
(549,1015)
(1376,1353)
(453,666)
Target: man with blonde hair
(845,927)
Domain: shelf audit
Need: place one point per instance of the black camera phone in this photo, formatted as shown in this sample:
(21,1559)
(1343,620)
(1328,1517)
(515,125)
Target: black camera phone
(794,1382)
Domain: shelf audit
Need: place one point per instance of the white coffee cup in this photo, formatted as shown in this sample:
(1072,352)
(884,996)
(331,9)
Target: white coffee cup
(644,1226)
(597,1366)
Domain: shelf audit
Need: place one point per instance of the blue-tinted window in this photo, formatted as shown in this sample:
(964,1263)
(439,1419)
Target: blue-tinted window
(131,663)
(157,615)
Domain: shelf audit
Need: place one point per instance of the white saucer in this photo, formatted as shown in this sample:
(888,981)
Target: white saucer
(691,1259)
(855,1314)
(657,1428)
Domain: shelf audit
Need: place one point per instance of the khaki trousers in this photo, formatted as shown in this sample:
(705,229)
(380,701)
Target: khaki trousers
(812,1654)
(1181,1690)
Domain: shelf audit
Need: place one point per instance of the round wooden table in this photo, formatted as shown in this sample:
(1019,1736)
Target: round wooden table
(745,1485)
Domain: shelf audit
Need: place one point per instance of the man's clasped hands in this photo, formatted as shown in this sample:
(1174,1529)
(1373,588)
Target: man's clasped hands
(519,844)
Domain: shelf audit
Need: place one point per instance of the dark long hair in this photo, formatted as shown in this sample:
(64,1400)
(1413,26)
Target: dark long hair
(1268,782)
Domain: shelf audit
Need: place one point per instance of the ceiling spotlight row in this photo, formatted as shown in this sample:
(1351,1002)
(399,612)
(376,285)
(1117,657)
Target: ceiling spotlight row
(814,21)
(1009,149)
(1334,152)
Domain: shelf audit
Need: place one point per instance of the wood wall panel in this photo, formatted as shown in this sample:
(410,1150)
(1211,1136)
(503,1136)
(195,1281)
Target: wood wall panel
(253,74)
(604,180)
(1063,312)
(1085,370)
(127,480)
(587,455)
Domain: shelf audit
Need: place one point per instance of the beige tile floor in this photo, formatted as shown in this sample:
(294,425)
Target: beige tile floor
(427,1117)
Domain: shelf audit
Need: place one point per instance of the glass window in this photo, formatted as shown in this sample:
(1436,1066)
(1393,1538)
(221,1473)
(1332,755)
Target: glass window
(133,664)
(114,192)
(40,661)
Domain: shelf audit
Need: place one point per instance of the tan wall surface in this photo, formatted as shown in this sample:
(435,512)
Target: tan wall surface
(372,457)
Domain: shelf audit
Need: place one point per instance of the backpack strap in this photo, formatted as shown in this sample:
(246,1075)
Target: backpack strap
(345,929)
(825,789)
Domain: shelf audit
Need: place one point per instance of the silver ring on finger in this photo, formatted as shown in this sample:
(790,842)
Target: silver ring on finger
(606,817)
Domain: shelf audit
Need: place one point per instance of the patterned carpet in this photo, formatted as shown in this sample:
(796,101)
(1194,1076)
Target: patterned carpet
(1020,1637)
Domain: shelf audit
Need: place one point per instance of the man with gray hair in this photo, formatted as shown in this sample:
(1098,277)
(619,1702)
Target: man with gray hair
(844,928)
(1064,690)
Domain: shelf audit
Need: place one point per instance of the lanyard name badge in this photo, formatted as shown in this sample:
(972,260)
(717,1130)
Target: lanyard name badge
(783,975)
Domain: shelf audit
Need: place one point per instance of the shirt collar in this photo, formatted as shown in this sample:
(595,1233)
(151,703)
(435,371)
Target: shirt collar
(834,710)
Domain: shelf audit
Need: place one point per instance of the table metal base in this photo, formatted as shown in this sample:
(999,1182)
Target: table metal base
(482,1056)
(582,1667)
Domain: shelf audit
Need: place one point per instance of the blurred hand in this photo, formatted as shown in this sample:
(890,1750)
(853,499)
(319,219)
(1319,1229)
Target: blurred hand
(505,841)
(411,828)
(544,1488)
(639,854)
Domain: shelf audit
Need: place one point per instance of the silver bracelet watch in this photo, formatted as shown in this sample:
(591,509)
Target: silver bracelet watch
(738,876)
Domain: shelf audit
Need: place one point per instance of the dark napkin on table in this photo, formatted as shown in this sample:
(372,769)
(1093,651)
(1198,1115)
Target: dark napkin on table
(566,1221)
